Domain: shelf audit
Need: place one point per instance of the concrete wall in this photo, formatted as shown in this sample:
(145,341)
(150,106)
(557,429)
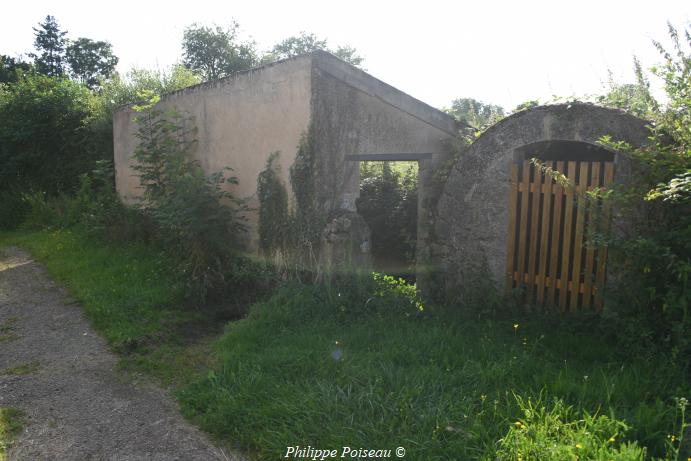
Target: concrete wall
(472,222)
(354,113)
(241,120)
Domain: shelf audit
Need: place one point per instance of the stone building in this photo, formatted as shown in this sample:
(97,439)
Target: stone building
(352,116)
(495,218)
(483,233)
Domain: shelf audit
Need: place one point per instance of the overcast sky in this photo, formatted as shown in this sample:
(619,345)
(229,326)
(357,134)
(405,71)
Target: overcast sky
(501,52)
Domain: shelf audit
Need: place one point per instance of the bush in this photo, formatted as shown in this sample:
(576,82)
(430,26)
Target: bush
(652,255)
(199,220)
(13,209)
(46,141)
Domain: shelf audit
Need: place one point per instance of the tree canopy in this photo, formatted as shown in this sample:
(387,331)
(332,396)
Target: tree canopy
(306,43)
(215,52)
(475,113)
(11,69)
(50,44)
(90,61)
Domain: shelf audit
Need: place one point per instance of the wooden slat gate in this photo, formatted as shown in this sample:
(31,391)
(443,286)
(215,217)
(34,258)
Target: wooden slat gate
(548,254)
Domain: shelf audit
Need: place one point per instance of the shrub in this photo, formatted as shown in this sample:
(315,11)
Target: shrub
(13,209)
(198,219)
(46,140)
(652,254)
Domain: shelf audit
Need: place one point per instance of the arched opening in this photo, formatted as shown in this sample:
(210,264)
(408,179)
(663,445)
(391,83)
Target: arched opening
(551,255)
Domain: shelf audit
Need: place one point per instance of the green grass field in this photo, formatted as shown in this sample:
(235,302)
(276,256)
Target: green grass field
(443,384)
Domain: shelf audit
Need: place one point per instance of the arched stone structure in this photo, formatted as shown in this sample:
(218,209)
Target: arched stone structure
(473,212)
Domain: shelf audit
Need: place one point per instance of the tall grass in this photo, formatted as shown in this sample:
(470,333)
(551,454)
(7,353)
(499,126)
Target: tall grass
(443,386)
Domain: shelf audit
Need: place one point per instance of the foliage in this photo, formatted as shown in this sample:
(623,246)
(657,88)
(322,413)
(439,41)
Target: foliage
(137,82)
(388,203)
(13,209)
(306,43)
(274,219)
(50,43)
(632,97)
(90,61)
(199,219)
(216,52)
(10,427)
(46,137)
(308,220)
(652,250)
(554,433)
(527,105)
(12,69)
(357,364)
(474,113)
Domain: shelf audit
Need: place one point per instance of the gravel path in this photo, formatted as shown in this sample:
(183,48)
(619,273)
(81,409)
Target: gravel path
(77,406)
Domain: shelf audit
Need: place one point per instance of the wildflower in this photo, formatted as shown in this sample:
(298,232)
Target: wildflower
(611,439)
(515,327)
(579,446)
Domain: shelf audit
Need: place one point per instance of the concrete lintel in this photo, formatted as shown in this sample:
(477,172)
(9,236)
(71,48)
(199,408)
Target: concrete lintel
(408,157)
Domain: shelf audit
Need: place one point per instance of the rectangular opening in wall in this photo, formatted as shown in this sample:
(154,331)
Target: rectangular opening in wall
(389,202)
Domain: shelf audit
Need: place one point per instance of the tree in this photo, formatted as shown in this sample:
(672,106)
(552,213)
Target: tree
(475,113)
(12,68)
(90,61)
(632,97)
(306,43)
(297,45)
(50,43)
(46,140)
(216,52)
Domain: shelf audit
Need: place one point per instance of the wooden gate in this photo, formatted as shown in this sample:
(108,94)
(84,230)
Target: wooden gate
(548,255)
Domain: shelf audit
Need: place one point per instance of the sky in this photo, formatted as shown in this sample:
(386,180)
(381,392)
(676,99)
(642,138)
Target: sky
(499,52)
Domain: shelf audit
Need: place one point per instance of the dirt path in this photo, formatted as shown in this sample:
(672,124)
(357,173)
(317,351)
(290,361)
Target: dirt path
(57,370)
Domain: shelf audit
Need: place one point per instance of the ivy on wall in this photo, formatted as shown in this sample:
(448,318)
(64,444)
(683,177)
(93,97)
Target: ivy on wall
(293,232)
(274,218)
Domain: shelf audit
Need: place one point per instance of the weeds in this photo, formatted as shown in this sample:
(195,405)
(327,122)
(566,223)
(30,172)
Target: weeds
(323,366)
(10,427)
(22,369)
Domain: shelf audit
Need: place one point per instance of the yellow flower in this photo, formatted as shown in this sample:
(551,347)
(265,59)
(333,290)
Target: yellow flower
(579,446)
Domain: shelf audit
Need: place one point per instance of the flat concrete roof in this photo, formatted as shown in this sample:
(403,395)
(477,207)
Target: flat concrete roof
(351,76)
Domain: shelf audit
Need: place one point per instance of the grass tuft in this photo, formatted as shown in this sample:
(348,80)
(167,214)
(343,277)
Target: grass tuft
(22,369)
(10,427)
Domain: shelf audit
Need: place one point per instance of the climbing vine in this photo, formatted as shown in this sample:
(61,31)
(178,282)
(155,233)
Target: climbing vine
(292,231)
(307,219)
(274,218)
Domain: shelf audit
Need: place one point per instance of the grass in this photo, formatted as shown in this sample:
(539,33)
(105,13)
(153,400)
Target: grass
(132,297)
(446,386)
(10,427)
(129,292)
(443,385)
(22,369)
(7,330)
